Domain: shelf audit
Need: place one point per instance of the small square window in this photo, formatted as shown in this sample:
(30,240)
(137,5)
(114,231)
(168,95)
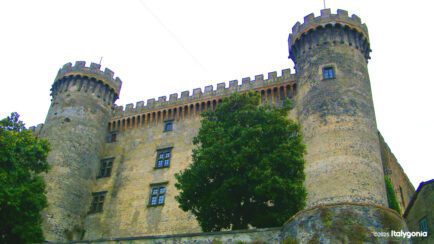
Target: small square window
(423,225)
(105,168)
(163,158)
(328,73)
(97,202)
(168,125)
(112,137)
(157,196)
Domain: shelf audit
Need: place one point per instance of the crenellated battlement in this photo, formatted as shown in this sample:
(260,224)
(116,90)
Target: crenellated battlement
(93,71)
(116,164)
(208,92)
(337,28)
(341,17)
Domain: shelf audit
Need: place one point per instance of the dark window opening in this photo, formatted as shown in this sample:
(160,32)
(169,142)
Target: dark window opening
(163,158)
(97,202)
(105,169)
(168,125)
(402,196)
(423,225)
(112,137)
(328,73)
(157,195)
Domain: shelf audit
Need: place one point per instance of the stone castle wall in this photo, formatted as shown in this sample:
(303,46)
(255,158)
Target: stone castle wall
(344,161)
(126,207)
(402,186)
(273,90)
(420,209)
(78,91)
(139,134)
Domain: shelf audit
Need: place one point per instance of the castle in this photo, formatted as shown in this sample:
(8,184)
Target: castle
(112,175)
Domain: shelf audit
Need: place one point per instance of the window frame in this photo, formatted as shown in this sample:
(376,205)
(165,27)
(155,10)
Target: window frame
(103,166)
(98,199)
(423,224)
(164,155)
(168,123)
(326,75)
(158,194)
(112,137)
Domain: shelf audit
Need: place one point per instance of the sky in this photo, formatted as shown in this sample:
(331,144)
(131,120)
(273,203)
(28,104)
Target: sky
(162,47)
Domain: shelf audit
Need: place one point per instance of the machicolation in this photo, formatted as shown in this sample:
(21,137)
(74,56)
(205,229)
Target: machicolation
(93,71)
(105,175)
(318,30)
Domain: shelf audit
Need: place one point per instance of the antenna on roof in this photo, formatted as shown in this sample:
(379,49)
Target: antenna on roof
(324,1)
(100,60)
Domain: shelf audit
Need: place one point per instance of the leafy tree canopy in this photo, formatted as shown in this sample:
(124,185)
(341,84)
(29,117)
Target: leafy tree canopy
(22,158)
(247,167)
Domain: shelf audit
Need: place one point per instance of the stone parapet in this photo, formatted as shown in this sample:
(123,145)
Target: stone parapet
(341,17)
(328,28)
(93,71)
(208,92)
(266,235)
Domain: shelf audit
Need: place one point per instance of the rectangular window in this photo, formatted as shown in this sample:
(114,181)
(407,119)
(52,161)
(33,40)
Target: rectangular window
(423,225)
(112,137)
(328,73)
(168,125)
(163,158)
(97,202)
(105,168)
(157,196)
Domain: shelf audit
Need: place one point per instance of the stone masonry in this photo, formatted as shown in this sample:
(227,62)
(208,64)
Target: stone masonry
(105,159)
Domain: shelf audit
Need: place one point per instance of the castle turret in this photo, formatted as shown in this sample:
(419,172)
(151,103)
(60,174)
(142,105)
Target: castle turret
(335,108)
(344,173)
(76,127)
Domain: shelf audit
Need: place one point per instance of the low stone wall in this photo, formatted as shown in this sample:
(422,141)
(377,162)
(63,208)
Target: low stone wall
(334,223)
(267,235)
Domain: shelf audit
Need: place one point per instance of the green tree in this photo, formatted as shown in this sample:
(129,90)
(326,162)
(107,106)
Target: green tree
(247,169)
(22,159)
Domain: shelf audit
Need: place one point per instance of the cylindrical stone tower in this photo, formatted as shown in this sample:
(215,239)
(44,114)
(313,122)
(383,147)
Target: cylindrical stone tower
(76,127)
(344,174)
(335,109)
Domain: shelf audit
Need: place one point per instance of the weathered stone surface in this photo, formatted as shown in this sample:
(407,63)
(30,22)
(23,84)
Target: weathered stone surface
(269,235)
(344,161)
(402,186)
(75,128)
(343,223)
(419,208)
(126,211)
